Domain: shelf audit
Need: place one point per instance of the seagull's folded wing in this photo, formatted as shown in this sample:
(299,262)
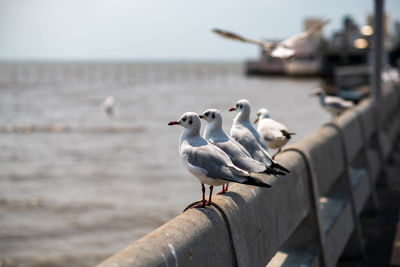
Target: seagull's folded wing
(213,163)
(244,136)
(240,156)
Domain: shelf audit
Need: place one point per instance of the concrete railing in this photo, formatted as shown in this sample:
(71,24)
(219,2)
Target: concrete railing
(310,216)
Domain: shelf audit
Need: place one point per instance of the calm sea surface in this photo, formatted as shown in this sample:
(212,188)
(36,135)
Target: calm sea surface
(77,186)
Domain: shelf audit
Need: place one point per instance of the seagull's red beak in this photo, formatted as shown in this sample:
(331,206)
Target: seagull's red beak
(256,121)
(173,123)
(232,109)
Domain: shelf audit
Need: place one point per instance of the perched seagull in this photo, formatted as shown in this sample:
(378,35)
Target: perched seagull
(275,134)
(108,106)
(243,132)
(206,161)
(236,152)
(333,104)
(284,49)
(390,76)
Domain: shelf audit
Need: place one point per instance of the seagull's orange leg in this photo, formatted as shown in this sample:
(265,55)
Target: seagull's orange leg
(277,152)
(209,198)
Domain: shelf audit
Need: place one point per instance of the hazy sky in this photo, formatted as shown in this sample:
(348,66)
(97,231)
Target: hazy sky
(158,29)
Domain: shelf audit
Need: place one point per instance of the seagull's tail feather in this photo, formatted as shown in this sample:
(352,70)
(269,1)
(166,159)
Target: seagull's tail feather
(273,171)
(255,182)
(276,165)
(287,134)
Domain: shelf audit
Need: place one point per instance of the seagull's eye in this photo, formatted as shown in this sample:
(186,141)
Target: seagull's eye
(207,113)
(240,106)
(184,119)
(237,105)
(213,116)
(190,122)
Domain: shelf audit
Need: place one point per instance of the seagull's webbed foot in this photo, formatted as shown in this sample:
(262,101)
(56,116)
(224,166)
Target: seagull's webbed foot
(201,204)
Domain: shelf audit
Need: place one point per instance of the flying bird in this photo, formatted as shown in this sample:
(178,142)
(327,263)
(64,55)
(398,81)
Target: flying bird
(284,49)
(207,162)
(244,132)
(275,134)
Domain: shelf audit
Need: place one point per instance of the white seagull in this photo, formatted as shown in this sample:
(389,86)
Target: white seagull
(333,104)
(243,131)
(236,152)
(206,161)
(108,106)
(284,49)
(275,134)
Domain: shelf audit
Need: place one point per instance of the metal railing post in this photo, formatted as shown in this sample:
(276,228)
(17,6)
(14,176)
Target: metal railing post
(378,50)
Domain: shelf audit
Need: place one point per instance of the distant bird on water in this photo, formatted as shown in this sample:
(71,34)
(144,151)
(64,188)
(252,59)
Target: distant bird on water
(284,49)
(108,106)
(207,162)
(333,104)
(275,134)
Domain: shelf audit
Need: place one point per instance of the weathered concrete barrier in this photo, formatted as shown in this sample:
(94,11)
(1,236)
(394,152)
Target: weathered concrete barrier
(310,217)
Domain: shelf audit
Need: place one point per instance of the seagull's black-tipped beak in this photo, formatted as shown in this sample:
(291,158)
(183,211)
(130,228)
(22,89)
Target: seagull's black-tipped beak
(201,116)
(232,109)
(173,123)
(256,121)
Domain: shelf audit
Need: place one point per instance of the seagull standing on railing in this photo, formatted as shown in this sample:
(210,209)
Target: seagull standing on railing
(108,106)
(333,104)
(236,152)
(275,134)
(284,49)
(206,161)
(243,132)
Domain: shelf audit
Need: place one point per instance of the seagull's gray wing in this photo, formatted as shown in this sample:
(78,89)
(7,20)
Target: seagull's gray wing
(270,130)
(338,103)
(248,140)
(256,135)
(293,40)
(237,37)
(240,156)
(214,163)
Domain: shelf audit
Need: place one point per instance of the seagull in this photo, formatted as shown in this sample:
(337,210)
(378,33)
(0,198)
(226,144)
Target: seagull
(275,134)
(243,132)
(207,162)
(236,152)
(333,104)
(284,49)
(390,76)
(108,106)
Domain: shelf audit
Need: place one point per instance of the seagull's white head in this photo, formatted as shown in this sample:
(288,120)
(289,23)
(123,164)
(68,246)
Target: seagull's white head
(214,119)
(211,115)
(108,102)
(188,120)
(261,114)
(243,106)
